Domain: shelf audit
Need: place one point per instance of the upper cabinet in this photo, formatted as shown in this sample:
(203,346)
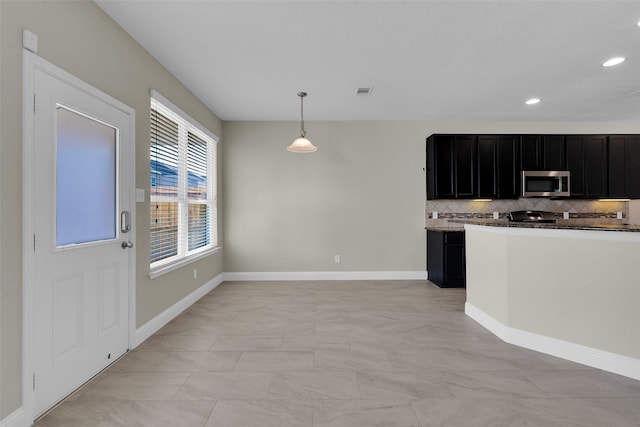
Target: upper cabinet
(472,166)
(498,175)
(451,166)
(489,166)
(587,160)
(542,153)
(624,166)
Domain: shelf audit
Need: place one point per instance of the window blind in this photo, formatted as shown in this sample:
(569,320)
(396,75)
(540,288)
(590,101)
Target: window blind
(183,187)
(197,166)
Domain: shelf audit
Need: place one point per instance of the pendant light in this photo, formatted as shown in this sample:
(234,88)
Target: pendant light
(302,144)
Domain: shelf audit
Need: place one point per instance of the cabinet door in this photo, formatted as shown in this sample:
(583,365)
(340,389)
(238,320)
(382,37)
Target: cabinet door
(487,166)
(575,164)
(451,164)
(624,166)
(633,162)
(446,258)
(530,154)
(553,153)
(587,161)
(454,264)
(431,168)
(618,167)
(542,152)
(440,167)
(596,166)
(435,257)
(465,151)
(508,173)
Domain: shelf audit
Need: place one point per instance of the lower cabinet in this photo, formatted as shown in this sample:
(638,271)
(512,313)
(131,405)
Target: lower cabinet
(445,258)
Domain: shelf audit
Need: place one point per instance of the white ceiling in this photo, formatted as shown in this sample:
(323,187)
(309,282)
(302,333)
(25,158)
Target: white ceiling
(426,60)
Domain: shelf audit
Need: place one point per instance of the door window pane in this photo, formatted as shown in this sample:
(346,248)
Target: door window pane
(85,179)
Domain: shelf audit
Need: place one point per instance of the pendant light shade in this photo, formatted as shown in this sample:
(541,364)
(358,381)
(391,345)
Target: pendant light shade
(302,144)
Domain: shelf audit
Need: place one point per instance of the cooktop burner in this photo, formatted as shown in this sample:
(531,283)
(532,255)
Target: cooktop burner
(533,216)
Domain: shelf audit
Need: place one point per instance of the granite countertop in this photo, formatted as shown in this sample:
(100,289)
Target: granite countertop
(560,225)
(458,228)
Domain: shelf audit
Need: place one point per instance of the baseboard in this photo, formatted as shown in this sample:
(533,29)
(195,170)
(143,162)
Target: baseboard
(155,324)
(14,419)
(589,356)
(326,275)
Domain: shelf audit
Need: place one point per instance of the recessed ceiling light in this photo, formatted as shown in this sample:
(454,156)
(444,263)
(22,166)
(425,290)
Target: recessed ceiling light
(614,61)
(532,101)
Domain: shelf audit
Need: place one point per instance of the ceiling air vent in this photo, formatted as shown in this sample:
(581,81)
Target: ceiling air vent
(364,91)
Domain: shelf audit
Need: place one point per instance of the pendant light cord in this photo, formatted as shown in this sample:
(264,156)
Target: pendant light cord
(302,131)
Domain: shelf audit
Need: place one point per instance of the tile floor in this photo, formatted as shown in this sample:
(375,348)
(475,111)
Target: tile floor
(352,353)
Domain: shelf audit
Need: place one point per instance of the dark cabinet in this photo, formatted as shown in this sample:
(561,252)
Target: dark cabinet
(488,166)
(575,164)
(451,166)
(624,166)
(587,160)
(618,166)
(445,258)
(633,161)
(471,166)
(542,152)
(498,176)
(465,166)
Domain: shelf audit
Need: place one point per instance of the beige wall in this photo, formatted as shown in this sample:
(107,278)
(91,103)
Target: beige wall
(80,38)
(493,295)
(361,195)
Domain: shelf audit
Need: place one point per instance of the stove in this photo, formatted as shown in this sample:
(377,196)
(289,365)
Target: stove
(533,216)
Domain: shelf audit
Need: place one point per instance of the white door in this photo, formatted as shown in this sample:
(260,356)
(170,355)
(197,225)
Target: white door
(81,193)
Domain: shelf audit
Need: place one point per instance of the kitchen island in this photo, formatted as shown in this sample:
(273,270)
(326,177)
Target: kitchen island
(572,291)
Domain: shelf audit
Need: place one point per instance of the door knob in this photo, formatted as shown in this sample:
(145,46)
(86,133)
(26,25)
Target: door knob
(126,245)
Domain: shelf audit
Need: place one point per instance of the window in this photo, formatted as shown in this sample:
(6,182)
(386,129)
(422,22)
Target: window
(183,188)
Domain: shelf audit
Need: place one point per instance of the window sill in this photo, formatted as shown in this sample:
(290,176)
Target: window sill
(164,269)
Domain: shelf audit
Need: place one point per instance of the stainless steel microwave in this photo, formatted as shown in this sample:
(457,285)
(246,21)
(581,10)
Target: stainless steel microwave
(546,184)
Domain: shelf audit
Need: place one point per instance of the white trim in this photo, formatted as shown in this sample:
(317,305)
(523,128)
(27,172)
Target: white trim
(185,126)
(155,324)
(610,362)
(327,275)
(174,265)
(31,63)
(174,109)
(14,419)
(488,322)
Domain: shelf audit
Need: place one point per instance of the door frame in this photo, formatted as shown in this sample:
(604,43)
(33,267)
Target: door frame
(30,63)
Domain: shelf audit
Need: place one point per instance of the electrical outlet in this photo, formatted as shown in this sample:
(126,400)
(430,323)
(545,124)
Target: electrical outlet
(496,215)
(434,215)
(337,259)
(565,215)
(619,215)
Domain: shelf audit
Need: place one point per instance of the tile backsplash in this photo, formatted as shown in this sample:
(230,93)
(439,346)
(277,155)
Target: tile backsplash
(583,210)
